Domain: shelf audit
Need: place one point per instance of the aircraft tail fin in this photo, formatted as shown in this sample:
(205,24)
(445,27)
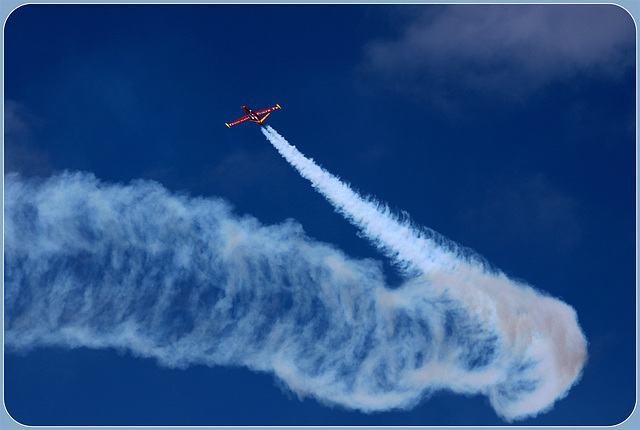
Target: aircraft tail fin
(265,117)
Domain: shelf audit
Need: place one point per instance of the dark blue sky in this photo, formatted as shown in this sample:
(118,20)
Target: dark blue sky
(509,129)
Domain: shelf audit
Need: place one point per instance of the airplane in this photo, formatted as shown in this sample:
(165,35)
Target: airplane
(254,116)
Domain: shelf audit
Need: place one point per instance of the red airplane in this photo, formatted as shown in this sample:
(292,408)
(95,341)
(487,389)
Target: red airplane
(254,116)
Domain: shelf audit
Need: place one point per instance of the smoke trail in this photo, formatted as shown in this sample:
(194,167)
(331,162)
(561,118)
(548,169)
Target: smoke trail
(186,281)
(410,248)
(537,350)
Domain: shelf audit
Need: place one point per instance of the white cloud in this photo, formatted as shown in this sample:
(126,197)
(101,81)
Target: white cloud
(511,50)
(20,155)
(186,281)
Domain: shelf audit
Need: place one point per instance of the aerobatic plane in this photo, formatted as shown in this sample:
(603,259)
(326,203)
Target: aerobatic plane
(254,116)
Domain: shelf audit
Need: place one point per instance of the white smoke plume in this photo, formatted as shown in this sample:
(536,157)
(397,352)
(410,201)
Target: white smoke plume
(186,281)
(537,348)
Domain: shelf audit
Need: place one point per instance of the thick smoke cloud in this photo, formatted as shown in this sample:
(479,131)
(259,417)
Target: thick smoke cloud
(539,348)
(186,281)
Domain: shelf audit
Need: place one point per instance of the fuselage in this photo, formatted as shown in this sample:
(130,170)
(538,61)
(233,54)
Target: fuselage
(254,116)
(251,114)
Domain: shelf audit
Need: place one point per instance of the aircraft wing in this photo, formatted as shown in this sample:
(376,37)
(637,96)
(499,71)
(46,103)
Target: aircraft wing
(262,112)
(236,122)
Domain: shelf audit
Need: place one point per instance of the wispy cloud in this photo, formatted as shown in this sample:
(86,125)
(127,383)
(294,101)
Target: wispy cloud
(536,366)
(20,155)
(506,50)
(186,281)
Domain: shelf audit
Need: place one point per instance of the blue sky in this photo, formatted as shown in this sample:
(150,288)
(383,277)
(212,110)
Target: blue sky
(508,129)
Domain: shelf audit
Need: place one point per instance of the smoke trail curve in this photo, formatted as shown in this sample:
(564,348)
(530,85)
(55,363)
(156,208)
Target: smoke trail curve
(540,331)
(186,281)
